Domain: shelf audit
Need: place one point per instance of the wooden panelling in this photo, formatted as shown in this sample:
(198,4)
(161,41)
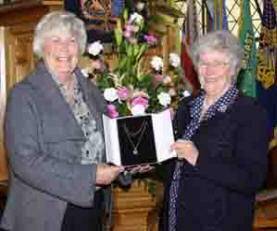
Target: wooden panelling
(3,68)
(133,208)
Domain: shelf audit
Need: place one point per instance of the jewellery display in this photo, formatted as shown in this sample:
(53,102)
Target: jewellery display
(136,140)
(131,136)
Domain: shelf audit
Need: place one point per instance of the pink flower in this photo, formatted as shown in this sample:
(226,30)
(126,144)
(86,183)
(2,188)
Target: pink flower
(123,93)
(138,110)
(132,28)
(130,31)
(150,39)
(112,112)
(140,100)
(139,103)
(127,33)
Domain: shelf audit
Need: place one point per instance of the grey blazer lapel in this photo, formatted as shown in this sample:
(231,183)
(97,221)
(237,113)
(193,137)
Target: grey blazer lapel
(44,84)
(92,97)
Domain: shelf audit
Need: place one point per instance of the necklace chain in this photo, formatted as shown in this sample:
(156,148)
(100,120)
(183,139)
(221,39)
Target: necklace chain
(139,132)
(135,133)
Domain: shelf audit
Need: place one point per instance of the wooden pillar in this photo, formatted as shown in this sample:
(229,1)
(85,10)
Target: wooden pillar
(166,48)
(132,208)
(3,74)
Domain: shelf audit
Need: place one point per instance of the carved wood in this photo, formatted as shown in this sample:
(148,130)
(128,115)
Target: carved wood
(133,208)
(266,210)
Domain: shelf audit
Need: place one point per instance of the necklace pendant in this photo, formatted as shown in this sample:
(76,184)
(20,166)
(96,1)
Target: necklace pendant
(135,151)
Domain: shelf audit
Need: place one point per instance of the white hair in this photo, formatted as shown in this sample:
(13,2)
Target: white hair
(221,40)
(59,22)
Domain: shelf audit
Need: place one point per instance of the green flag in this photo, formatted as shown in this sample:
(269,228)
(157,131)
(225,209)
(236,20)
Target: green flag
(247,76)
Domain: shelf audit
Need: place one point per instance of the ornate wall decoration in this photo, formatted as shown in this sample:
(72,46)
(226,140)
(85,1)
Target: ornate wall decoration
(99,15)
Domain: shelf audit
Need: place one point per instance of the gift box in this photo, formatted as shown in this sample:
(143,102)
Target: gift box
(143,139)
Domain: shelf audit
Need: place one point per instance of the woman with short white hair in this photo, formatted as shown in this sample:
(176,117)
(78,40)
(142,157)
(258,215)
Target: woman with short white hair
(222,144)
(54,137)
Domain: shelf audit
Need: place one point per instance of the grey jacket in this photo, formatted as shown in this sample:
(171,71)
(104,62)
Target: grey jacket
(43,140)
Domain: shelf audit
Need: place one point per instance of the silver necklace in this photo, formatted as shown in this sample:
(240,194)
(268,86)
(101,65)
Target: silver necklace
(140,132)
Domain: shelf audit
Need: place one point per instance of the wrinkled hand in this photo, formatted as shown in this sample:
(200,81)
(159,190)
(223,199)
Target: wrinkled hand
(105,174)
(186,150)
(141,169)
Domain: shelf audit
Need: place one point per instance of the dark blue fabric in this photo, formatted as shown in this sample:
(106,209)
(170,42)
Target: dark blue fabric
(85,219)
(118,6)
(220,106)
(72,6)
(1,213)
(268,98)
(218,193)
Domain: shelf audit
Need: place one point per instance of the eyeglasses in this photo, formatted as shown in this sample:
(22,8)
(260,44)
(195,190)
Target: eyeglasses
(214,64)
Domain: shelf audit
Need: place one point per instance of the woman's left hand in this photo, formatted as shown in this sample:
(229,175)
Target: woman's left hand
(186,150)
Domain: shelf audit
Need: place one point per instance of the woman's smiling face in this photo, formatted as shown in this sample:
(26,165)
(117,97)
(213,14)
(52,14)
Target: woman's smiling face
(60,54)
(215,71)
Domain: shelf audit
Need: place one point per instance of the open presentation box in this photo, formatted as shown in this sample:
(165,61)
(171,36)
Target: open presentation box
(134,140)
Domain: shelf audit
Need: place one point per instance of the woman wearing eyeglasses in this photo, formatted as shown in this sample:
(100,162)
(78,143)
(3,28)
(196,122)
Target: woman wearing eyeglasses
(222,146)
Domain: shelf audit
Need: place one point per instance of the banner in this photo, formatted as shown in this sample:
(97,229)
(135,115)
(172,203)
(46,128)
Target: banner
(267,51)
(266,67)
(217,13)
(189,35)
(246,81)
(99,15)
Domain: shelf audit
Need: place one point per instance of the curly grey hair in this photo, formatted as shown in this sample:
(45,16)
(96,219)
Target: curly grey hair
(58,22)
(221,40)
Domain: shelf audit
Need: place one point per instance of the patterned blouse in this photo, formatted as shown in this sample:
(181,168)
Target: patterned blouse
(92,150)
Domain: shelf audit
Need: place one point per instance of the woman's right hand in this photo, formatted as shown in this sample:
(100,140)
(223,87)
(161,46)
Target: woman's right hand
(105,174)
(186,150)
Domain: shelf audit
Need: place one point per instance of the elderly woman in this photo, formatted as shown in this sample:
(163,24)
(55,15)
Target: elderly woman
(222,146)
(54,137)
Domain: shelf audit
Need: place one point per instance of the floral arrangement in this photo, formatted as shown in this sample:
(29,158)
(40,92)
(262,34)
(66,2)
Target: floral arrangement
(131,88)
